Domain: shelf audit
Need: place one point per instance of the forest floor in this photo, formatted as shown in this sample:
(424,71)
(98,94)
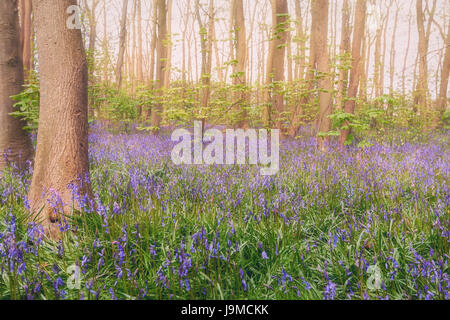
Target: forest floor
(368,223)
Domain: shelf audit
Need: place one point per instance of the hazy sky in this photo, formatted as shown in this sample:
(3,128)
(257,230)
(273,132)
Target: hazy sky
(259,12)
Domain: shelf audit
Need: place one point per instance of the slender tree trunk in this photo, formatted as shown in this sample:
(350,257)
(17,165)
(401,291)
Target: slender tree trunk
(206,48)
(408,43)
(140,74)
(393,53)
(168,44)
(344,52)
(239,80)
(14,142)
(62,140)
(360,20)
(122,44)
(377,61)
(443,90)
(161,63)
(364,63)
(301,59)
(91,50)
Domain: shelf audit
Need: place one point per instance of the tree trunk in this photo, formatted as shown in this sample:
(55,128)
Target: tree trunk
(320,14)
(161,63)
(344,51)
(420,99)
(206,48)
(442,101)
(275,63)
(62,140)
(360,20)
(393,53)
(91,50)
(406,56)
(13,140)
(239,80)
(140,74)
(168,44)
(122,44)
(26,34)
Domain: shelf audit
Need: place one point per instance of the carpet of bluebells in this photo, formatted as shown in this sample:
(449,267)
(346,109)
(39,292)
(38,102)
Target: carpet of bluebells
(316,230)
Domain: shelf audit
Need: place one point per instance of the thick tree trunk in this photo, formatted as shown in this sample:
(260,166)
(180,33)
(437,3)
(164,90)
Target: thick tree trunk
(320,14)
(26,34)
(360,21)
(62,140)
(275,66)
(310,72)
(13,140)
(420,99)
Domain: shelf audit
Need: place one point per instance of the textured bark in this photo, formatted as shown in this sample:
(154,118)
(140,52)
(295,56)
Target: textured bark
(360,21)
(275,62)
(26,33)
(62,140)
(320,14)
(122,44)
(240,36)
(161,62)
(310,72)
(13,140)
(420,99)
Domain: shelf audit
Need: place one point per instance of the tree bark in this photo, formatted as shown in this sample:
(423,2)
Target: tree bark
(360,20)
(393,52)
(443,90)
(122,44)
(344,51)
(320,14)
(62,140)
(420,99)
(275,63)
(26,34)
(240,35)
(161,63)
(13,140)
